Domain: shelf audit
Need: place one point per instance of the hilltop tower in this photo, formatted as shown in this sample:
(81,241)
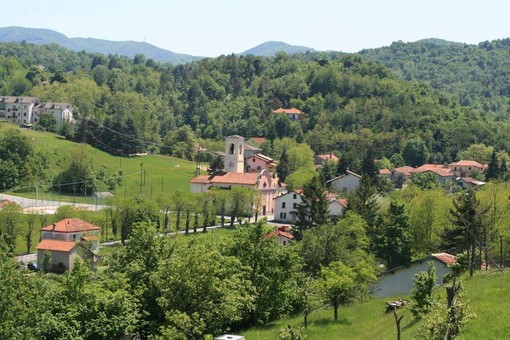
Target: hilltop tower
(234,154)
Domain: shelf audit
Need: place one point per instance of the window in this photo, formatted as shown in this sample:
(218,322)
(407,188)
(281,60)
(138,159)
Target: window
(283,216)
(232,148)
(283,205)
(253,160)
(294,205)
(259,168)
(74,236)
(294,196)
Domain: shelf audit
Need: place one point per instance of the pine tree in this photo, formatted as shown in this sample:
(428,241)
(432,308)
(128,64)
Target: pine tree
(467,218)
(364,202)
(368,167)
(283,166)
(493,170)
(314,210)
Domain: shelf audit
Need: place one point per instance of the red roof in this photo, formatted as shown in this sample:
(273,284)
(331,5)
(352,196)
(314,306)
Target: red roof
(249,178)
(445,258)
(405,170)
(71,225)
(343,202)
(428,167)
(280,233)
(384,172)
(201,179)
(468,163)
(328,157)
(55,245)
(288,111)
(259,140)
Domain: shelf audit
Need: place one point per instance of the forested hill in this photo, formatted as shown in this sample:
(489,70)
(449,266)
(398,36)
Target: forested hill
(478,75)
(350,105)
(271,48)
(125,48)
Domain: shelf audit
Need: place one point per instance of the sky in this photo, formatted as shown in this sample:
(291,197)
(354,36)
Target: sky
(215,27)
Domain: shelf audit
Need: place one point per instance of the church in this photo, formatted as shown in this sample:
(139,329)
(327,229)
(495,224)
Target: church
(234,175)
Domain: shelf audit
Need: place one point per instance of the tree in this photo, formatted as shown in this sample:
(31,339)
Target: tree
(477,152)
(338,284)
(9,175)
(467,217)
(397,160)
(78,176)
(394,242)
(300,156)
(415,152)
(421,293)
(30,218)
(10,216)
(493,170)
(369,167)
(425,180)
(48,122)
(314,210)
(282,169)
(241,201)
(363,201)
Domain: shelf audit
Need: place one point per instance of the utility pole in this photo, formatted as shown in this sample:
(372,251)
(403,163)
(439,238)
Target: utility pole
(141,177)
(501,252)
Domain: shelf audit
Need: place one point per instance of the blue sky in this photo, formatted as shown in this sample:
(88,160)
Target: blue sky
(214,27)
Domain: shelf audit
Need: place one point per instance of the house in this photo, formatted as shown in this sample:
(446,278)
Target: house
(260,162)
(405,171)
(282,237)
(293,113)
(443,175)
(345,183)
(385,173)
(63,112)
(251,150)
(17,109)
(286,204)
(321,159)
(465,168)
(468,182)
(63,238)
(399,280)
(266,183)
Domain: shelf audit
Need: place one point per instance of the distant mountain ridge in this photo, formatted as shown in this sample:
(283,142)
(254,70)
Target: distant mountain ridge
(271,48)
(125,48)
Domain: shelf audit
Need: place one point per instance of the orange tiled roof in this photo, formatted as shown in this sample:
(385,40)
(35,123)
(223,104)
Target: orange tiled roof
(384,172)
(248,178)
(71,225)
(428,167)
(343,202)
(468,163)
(405,170)
(201,179)
(288,111)
(259,140)
(445,258)
(55,245)
(328,157)
(280,233)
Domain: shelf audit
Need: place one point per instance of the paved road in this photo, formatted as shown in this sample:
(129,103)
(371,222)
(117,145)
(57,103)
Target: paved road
(44,205)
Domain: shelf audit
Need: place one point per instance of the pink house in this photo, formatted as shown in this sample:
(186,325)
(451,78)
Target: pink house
(260,162)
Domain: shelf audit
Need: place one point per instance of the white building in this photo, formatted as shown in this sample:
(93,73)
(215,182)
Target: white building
(399,280)
(345,183)
(63,112)
(17,109)
(286,204)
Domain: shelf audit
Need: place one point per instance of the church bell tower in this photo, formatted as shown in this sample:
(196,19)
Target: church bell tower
(234,154)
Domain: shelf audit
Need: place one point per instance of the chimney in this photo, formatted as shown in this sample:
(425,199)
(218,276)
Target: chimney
(53,226)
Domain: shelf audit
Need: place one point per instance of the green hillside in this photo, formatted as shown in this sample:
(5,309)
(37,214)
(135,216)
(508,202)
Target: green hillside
(487,294)
(271,48)
(162,173)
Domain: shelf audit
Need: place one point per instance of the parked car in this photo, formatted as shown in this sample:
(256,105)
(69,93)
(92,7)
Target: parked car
(32,266)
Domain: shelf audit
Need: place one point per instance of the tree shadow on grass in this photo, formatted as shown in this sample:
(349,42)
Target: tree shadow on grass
(326,322)
(413,322)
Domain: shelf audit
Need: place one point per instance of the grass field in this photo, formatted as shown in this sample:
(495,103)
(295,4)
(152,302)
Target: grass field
(488,299)
(162,173)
